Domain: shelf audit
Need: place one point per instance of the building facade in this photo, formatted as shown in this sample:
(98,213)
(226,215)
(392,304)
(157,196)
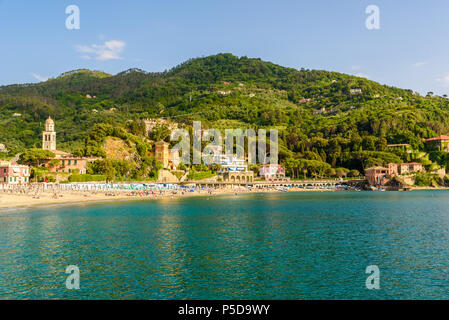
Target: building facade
(272,172)
(169,158)
(238,177)
(393,169)
(162,153)
(233,169)
(12,173)
(230,163)
(411,167)
(174,161)
(377,175)
(212,154)
(67,165)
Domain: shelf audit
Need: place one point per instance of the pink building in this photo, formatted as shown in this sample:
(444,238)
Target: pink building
(68,164)
(410,167)
(393,169)
(12,173)
(377,175)
(382,175)
(272,171)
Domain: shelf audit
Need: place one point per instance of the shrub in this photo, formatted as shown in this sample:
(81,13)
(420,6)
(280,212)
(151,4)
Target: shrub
(424,179)
(86,178)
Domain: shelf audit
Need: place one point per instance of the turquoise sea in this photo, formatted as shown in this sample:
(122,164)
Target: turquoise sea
(260,246)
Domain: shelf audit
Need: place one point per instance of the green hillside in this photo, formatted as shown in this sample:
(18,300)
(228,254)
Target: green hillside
(342,120)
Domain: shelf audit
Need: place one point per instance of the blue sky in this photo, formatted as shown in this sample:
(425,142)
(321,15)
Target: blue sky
(410,50)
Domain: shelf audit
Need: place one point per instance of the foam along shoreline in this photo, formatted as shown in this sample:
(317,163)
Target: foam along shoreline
(17,200)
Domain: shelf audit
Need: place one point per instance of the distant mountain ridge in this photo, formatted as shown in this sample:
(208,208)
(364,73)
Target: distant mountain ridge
(94,73)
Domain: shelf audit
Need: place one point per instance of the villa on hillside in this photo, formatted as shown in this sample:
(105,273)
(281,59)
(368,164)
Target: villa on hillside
(383,175)
(63,161)
(3,148)
(13,173)
(411,167)
(440,143)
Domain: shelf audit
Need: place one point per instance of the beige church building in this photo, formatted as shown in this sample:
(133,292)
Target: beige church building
(63,162)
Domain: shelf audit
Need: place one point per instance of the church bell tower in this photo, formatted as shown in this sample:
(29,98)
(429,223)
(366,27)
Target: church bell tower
(49,135)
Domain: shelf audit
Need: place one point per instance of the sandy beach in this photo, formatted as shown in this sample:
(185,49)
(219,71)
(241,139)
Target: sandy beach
(18,200)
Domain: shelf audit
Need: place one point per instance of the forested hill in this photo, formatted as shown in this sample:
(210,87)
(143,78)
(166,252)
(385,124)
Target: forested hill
(323,116)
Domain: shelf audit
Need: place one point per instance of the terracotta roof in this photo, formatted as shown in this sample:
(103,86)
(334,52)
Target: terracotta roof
(376,168)
(11,164)
(414,163)
(439,138)
(60,152)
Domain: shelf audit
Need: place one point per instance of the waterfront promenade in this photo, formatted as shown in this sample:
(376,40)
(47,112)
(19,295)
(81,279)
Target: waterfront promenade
(132,186)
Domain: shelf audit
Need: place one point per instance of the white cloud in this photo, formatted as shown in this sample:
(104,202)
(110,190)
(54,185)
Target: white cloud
(444,81)
(39,77)
(355,67)
(420,64)
(110,50)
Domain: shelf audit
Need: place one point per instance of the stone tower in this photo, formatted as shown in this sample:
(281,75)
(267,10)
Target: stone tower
(162,153)
(49,135)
